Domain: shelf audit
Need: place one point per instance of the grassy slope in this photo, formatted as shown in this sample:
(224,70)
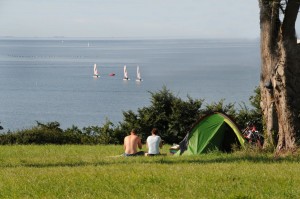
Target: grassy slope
(96,172)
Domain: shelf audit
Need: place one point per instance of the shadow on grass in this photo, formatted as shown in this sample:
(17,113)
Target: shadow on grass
(170,160)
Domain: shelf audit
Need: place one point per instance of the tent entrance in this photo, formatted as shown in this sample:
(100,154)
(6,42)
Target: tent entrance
(230,140)
(224,140)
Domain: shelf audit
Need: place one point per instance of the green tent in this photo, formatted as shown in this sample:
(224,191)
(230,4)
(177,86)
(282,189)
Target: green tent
(212,132)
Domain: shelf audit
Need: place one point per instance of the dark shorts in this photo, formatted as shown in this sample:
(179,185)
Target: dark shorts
(140,153)
(153,154)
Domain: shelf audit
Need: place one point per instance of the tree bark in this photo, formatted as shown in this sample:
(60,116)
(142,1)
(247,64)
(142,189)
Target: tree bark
(286,80)
(280,85)
(269,24)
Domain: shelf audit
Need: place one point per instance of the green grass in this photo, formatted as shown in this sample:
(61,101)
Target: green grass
(71,171)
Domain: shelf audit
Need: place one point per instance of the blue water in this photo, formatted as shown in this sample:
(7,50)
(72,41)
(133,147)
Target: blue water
(51,80)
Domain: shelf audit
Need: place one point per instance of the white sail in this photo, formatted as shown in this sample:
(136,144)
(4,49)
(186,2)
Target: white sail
(125,73)
(95,71)
(138,74)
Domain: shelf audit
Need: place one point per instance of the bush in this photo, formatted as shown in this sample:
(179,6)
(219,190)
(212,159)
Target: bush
(174,117)
(170,114)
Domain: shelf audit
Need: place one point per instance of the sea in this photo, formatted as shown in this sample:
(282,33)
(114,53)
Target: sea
(52,79)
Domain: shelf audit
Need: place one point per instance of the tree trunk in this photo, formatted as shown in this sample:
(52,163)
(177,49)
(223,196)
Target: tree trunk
(286,80)
(269,24)
(280,83)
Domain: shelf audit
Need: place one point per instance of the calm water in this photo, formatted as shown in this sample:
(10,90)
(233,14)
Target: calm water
(51,80)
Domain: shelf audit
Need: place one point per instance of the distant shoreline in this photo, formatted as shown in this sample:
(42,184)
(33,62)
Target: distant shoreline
(123,38)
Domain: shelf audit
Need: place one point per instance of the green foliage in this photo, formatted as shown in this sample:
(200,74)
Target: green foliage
(172,116)
(41,134)
(246,114)
(73,135)
(51,133)
(184,115)
(7,138)
(220,106)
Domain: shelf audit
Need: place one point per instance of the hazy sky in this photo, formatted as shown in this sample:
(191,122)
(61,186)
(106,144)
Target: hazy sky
(130,18)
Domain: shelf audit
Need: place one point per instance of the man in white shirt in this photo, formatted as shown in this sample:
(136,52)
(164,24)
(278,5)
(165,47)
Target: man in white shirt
(153,143)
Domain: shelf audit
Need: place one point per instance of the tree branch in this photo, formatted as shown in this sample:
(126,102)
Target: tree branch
(289,21)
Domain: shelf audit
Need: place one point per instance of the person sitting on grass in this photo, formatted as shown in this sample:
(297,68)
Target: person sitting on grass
(154,142)
(131,143)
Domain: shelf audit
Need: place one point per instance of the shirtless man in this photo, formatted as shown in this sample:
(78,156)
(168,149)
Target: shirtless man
(131,143)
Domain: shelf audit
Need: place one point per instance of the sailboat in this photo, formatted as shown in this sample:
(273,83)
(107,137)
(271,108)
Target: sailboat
(138,74)
(95,71)
(125,73)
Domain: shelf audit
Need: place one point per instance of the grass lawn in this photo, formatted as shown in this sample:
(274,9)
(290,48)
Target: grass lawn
(71,171)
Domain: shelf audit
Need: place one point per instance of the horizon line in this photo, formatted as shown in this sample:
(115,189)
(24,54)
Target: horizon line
(127,38)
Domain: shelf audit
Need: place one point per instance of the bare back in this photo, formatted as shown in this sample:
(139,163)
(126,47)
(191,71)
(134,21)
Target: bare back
(131,143)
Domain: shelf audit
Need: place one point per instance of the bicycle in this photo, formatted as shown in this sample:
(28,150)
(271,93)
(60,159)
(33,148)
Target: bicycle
(252,135)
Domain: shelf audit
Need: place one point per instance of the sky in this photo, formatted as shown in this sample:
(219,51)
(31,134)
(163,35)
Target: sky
(130,18)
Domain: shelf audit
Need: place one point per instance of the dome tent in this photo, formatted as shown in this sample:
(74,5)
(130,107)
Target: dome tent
(212,132)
